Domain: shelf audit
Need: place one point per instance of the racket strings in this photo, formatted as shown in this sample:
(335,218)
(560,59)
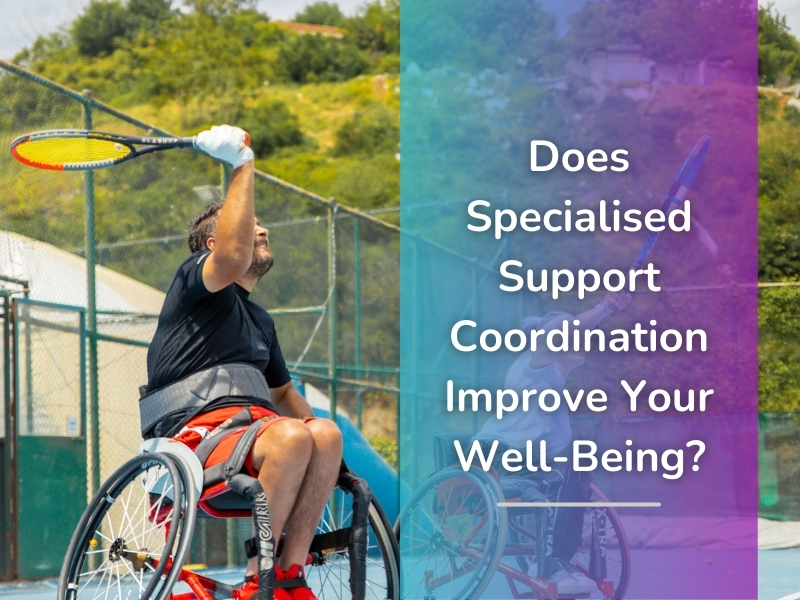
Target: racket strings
(71,151)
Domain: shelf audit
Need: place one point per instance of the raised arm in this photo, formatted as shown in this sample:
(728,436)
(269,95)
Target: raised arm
(612,302)
(232,245)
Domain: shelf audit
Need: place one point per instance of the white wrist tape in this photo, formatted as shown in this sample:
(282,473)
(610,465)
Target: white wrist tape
(599,308)
(225,143)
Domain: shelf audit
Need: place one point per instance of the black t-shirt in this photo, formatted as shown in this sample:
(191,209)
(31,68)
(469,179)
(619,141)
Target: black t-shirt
(198,329)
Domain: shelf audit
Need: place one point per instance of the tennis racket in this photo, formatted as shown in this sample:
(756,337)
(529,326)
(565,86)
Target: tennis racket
(680,187)
(677,192)
(83,150)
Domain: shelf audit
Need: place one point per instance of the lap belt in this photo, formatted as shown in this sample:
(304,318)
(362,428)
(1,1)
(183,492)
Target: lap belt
(232,466)
(195,393)
(223,430)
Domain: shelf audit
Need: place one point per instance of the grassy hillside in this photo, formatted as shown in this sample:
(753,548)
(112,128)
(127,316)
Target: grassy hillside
(322,111)
(779,217)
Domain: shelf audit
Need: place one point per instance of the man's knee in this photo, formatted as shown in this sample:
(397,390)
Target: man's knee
(326,434)
(288,436)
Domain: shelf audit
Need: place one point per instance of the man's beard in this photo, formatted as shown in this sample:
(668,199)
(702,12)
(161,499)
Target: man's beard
(259,265)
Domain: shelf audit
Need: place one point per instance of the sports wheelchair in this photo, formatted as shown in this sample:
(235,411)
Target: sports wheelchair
(133,539)
(455,537)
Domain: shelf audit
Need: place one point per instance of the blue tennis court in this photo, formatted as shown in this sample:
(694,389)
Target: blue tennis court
(779,578)
(779,574)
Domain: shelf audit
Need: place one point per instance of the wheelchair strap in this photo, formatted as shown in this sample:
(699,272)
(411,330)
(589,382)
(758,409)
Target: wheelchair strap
(251,489)
(219,433)
(226,470)
(194,393)
(288,584)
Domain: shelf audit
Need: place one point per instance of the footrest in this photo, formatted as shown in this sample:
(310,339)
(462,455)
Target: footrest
(333,540)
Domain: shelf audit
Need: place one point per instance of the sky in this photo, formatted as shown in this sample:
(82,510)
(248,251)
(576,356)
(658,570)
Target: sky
(24,20)
(791,10)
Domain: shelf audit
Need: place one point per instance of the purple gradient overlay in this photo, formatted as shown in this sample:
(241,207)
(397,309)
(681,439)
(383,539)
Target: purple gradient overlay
(480,81)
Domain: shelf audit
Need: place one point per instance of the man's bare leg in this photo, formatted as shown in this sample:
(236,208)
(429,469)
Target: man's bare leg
(320,479)
(281,456)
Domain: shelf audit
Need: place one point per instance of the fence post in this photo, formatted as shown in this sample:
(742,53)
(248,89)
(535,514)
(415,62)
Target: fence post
(9,542)
(332,305)
(91,305)
(357,310)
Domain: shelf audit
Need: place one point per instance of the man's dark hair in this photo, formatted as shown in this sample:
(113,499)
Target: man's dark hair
(203,227)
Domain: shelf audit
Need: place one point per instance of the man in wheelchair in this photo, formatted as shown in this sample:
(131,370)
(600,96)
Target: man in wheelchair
(217,380)
(546,370)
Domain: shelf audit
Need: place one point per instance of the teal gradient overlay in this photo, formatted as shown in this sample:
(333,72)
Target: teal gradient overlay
(480,80)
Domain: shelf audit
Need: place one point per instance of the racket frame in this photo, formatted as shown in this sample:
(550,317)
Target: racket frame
(677,192)
(146,145)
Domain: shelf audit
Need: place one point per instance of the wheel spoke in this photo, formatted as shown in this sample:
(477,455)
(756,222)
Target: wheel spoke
(93,573)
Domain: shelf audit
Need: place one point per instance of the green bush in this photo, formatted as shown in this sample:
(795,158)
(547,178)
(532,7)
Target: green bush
(386,447)
(778,193)
(778,349)
(271,126)
(767,107)
(372,130)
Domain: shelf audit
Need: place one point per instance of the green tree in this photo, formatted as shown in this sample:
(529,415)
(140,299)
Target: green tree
(105,22)
(97,29)
(310,58)
(778,49)
(377,28)
(149,12)
(220,8)
(651,23)
(321,13)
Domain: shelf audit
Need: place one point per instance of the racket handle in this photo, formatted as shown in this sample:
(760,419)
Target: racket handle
(613,308)
(194,140)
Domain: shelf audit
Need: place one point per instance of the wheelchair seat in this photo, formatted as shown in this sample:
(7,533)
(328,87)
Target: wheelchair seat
(521,489)
(214,501)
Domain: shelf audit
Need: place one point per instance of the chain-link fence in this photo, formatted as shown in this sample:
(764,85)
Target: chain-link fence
(49,471)
(779,400)
(333,290)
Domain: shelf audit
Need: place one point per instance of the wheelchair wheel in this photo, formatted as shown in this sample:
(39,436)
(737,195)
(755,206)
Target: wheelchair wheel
(610,535)
(614,544)
(133,538)
(329,574)
(452,535)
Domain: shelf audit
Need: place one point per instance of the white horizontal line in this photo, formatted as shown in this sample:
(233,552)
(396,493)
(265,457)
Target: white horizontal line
(791,597)
(579,504)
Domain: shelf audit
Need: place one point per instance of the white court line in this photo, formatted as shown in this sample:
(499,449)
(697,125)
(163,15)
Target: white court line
(794,596)
(590,505)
